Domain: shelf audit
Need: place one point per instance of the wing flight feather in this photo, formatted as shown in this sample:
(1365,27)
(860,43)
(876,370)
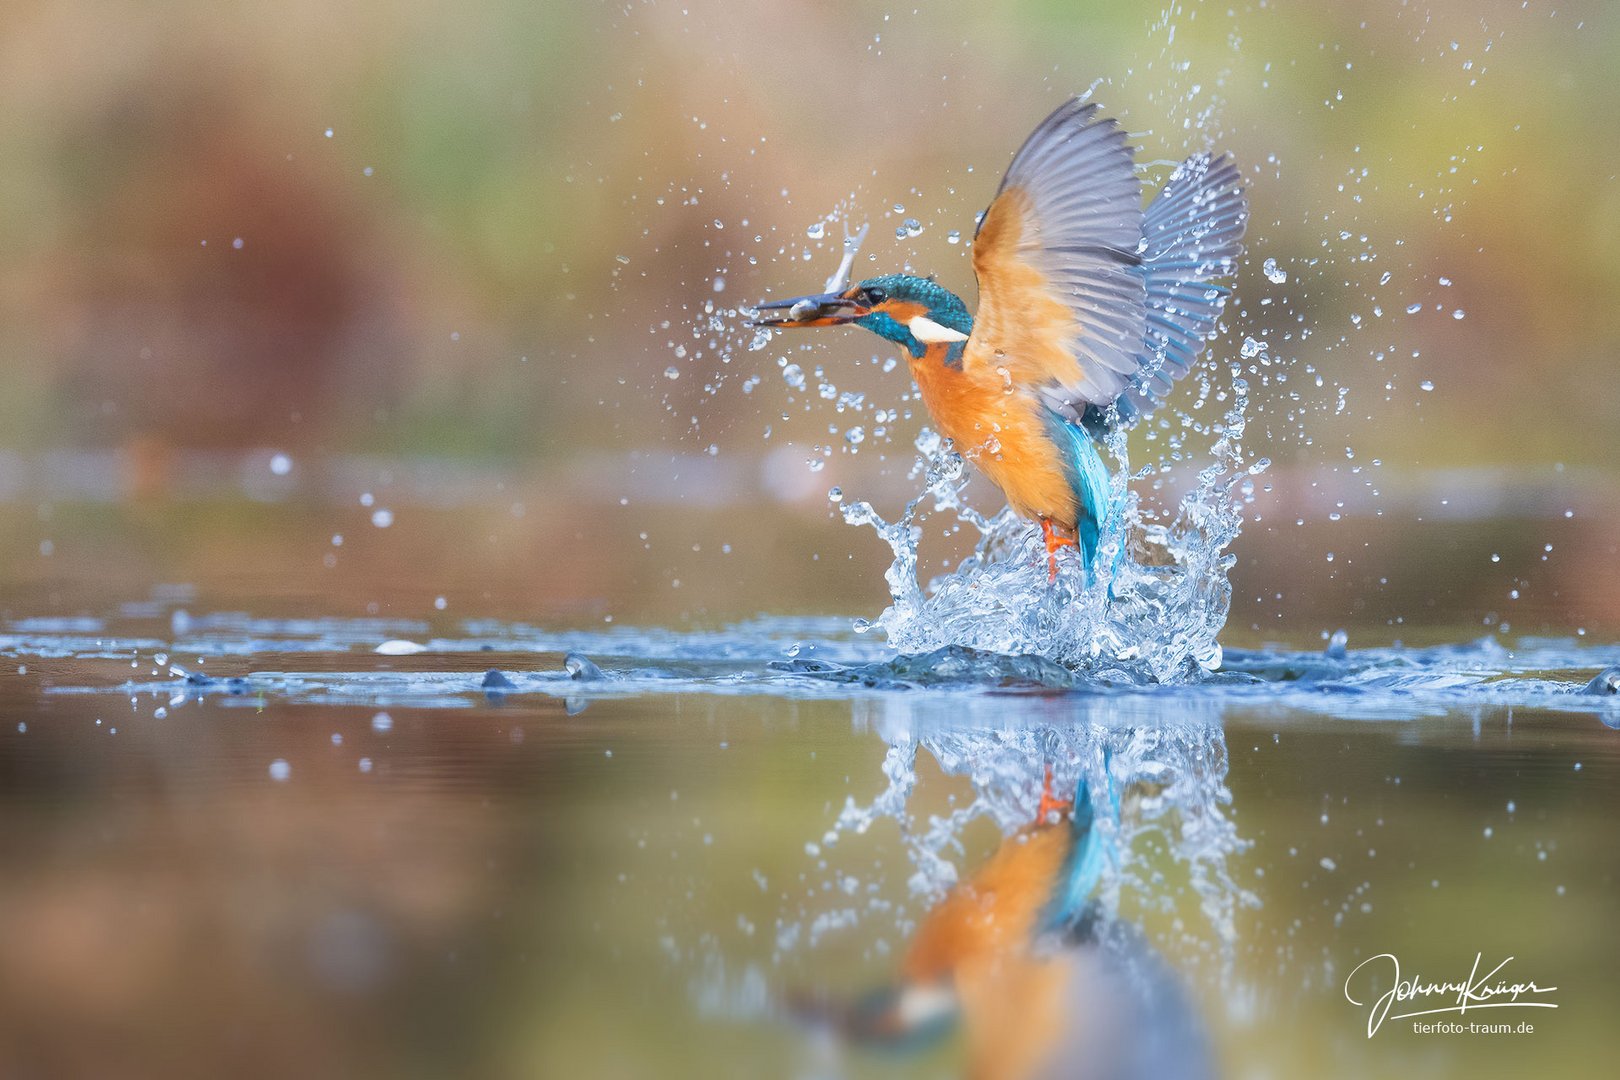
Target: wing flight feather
(1062,299)
(1085,299)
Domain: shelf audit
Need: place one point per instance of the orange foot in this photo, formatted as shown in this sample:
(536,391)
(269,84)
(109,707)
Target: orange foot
(1048,803)
(1054,541)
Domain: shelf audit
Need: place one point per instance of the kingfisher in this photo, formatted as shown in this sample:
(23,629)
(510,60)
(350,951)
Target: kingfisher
(1014,958)
(1090,307)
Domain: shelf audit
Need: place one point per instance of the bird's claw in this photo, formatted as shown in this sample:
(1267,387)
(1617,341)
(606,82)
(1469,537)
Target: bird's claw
(1049,803)
(1054,542)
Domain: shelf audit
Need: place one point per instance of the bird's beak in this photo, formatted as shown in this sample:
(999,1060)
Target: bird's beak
(823,309)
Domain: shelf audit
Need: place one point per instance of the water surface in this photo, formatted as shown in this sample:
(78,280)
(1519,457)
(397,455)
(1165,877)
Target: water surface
(263,846)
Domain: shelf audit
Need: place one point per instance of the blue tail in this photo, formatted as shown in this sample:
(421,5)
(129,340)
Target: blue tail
(1088,476)
(1080,874)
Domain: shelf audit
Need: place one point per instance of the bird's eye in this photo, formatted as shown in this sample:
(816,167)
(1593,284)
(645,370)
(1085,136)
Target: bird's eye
(874,297)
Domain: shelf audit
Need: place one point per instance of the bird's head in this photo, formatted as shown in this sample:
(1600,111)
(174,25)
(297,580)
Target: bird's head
(914,311)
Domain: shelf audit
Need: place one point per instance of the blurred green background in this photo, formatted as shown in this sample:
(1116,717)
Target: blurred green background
(451,257)
(371,309)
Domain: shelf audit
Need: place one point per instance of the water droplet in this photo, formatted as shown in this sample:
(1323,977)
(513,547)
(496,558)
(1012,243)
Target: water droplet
(280,770)
(382,517)
(816,231)
(281,464)
(1426,386)
(1336,649)
(953,237)
(1274,273)
(672,372)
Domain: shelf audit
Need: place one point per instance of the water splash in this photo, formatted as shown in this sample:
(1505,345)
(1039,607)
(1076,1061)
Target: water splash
(1156,778)
(1150,614)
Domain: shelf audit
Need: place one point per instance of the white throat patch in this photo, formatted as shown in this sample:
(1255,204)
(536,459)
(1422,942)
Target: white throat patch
(930,332)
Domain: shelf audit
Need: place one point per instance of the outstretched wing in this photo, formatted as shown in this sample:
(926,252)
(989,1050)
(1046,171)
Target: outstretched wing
(1062,297)
(1192,232)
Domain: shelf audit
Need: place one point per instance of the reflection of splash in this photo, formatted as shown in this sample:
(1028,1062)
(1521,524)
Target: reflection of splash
(1151,613)
(1165,759)
(1017,958)
(1035,972)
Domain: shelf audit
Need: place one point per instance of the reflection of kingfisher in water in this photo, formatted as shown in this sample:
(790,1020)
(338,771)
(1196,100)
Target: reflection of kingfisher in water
(1089,307)
(1013,957)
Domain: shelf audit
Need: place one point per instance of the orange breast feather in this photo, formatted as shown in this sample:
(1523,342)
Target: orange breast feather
(1002,430)
(994,914)
(982,939)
